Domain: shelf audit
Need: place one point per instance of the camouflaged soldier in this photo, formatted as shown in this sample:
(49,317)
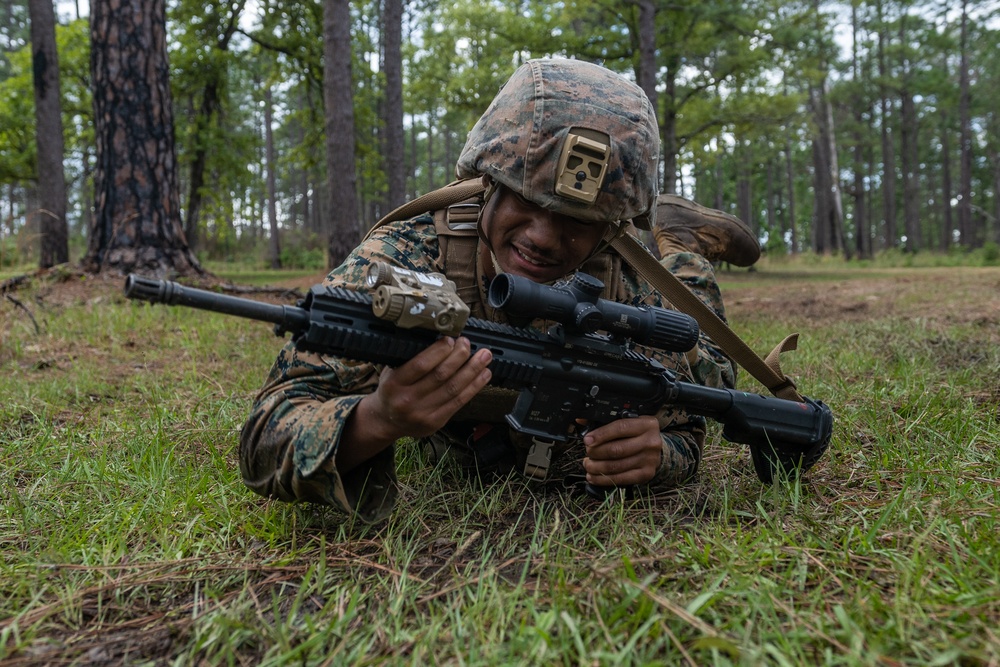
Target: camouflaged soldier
(566,151)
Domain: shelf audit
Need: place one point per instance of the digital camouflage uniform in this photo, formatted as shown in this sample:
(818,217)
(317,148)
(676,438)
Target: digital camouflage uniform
(289,444)
(290,441)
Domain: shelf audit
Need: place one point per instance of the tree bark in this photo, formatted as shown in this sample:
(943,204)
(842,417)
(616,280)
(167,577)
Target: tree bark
(137,222)
(645,73)
(862,237)
(909,150)
(338,101)
(668,129)
(966,230)
(790,177)
(948,221)
(888,152)
(395,165)
(48,136)
(274,243)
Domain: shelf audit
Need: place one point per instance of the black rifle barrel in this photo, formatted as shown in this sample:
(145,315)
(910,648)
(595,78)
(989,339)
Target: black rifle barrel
(289,318)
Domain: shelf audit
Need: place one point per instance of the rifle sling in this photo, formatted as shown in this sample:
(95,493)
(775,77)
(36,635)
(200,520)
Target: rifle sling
(766,371)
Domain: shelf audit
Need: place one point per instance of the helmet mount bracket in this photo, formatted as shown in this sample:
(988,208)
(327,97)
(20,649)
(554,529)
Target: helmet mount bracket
(582,164)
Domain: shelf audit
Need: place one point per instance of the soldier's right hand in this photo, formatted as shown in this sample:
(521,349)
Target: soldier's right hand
(419,397)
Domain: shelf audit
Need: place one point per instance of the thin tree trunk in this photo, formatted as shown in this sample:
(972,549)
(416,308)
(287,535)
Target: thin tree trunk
(948,222)
(790,178)
(339,109)
(274,245)
(967,232)
(48,136)
(909,151)
(645,74)
(668,129)
(888,152)
(430,150)
(862,240)
(395,167)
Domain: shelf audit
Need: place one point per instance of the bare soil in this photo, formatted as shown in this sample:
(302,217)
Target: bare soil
(939,296)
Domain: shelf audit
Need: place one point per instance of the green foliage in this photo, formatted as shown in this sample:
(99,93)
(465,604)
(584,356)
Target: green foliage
(728,75)
(17,124)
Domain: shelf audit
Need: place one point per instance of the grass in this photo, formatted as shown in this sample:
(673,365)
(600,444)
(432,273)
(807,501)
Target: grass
(126,535)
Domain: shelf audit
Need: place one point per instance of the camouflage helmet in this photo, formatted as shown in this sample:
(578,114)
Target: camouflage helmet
(572,137)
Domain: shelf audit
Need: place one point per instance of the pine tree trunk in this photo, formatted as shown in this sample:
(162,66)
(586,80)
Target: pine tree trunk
(948,222)
(274,245)
(339,110)
(668,129)
(888,151)
(862,240)
(51,210)
(790,178)
(393,60)
(966,230)
(137,223)
(909,151)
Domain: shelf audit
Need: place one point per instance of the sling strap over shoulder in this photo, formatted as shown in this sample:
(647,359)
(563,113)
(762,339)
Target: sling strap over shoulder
(767,371)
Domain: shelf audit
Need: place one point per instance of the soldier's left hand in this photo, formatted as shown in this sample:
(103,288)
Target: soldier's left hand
(624,452)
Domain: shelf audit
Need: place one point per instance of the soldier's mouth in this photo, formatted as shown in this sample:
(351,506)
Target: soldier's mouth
(532,260)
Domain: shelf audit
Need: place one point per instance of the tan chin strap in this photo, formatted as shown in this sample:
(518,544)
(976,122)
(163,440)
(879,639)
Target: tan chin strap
(766,371)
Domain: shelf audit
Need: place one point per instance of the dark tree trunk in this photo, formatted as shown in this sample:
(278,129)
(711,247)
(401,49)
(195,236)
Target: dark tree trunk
(274,245)
(821,197)
(48,136)
(744,193)
(668,129)
(430,150)
(911,177)
(909,156)
(137,222)
(395,167)
(790,177)
(829,234)
(338,100)
(769,199)
(862,239)
(948,222)
(888,151)
(645,73)
(966,230)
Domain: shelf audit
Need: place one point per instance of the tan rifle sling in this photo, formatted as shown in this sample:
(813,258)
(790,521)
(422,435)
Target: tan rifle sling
(767,371)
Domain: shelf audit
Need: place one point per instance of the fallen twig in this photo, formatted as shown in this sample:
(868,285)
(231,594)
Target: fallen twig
(25,309)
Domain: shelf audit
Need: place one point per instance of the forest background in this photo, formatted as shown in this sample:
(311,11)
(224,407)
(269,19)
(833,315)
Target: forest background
(846,128)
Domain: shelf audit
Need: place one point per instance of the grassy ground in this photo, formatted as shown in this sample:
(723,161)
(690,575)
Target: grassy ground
(126,535)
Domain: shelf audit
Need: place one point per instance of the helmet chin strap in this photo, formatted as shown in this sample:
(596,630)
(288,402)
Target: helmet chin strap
(491,189)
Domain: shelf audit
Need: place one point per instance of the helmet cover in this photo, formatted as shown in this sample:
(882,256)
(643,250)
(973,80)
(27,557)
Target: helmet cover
(547,110)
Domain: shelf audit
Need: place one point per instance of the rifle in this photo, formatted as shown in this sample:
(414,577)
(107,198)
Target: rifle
(569,372)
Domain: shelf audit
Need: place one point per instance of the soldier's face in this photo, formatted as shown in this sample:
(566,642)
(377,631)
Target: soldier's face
(536,243)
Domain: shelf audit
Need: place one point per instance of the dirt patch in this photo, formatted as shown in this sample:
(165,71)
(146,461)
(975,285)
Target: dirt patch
(943,297)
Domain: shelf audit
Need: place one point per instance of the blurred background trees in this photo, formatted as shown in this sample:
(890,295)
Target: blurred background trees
(837,128)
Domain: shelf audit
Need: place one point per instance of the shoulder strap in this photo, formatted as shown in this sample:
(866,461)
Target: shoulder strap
(766,371)
(452,193)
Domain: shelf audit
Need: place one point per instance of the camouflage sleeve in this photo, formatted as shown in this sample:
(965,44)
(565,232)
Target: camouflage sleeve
(289,444)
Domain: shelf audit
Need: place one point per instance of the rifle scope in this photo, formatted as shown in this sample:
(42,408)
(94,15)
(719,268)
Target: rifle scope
(575,303)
